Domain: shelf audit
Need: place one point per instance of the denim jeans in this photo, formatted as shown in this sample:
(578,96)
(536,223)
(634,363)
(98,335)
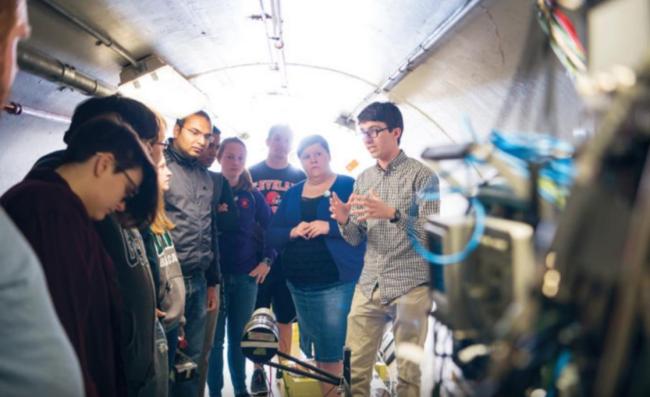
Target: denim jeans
(322,316)
(160,361)
(237,305)
(172,342)
(195,314)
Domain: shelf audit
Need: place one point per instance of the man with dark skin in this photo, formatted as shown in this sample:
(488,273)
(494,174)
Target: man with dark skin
(226,213)
(188,203)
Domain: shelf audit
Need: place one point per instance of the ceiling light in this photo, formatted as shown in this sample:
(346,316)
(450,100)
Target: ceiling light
(161,87)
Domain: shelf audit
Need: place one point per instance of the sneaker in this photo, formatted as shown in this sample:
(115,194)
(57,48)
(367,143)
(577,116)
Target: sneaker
(258,383)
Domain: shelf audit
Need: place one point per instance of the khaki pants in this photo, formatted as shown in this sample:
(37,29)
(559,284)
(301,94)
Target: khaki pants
(366,323)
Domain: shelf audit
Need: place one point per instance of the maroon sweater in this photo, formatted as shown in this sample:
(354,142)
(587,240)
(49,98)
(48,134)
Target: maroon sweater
(79,274)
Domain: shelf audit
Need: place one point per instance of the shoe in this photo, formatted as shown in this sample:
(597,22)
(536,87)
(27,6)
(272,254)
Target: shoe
(258,383)
(242,395)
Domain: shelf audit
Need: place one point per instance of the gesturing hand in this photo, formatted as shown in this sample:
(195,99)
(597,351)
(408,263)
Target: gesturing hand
(340,210)
(370,206)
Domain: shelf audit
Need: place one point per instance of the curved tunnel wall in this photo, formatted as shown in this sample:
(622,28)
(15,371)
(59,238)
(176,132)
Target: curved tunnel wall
(469,73)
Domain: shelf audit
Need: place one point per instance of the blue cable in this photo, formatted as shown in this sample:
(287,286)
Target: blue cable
(562,361)
(530,146)
(457,257)
(518,150)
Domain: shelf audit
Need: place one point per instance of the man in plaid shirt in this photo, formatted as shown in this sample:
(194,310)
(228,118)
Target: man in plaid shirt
(394,281)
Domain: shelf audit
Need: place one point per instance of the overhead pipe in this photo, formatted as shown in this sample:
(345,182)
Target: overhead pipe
(274,39)
(52,69)
(276,15)
(419,54)
(101,37)
(17,109)
(268,27)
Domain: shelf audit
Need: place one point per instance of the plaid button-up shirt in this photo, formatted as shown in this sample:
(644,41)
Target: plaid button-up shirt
(390,262)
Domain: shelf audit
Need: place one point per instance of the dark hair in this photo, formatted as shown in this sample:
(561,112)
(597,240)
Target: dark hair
(245,179)
(386,112)
(108,133)
(200,113)
(312,140)
(142,119)
(216,131)
(277,129)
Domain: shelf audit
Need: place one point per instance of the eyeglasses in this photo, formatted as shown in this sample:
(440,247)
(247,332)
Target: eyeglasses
(371,132)
(164,144)
(132,189)
(195,132)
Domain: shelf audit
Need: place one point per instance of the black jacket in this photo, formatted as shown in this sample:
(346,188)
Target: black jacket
(188,203)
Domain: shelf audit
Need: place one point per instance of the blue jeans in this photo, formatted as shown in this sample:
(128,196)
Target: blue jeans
(195,313)
(161,363)
(172,342)
(237,305)
(322,316)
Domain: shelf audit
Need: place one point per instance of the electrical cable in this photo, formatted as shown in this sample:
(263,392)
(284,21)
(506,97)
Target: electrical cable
(558,172)
(563,38)
(555,179)
(457,257)
(562,361)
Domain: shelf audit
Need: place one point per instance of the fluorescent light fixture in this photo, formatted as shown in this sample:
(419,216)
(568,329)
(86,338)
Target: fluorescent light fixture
(161,87)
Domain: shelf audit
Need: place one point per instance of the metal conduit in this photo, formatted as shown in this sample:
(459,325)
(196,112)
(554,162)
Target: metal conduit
(273,27)
(421,52)
(418,55)
(17,109)
(52,69)
(103,38)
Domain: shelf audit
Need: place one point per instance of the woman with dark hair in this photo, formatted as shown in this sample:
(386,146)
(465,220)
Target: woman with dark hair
(245,262)
(320,267)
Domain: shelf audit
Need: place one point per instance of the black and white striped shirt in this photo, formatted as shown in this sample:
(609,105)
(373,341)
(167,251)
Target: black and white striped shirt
(390,262)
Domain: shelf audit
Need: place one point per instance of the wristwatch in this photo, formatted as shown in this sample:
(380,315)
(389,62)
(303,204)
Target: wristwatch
(267,261)
(396,217)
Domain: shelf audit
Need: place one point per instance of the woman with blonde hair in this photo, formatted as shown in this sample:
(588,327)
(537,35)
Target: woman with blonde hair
(171,290)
